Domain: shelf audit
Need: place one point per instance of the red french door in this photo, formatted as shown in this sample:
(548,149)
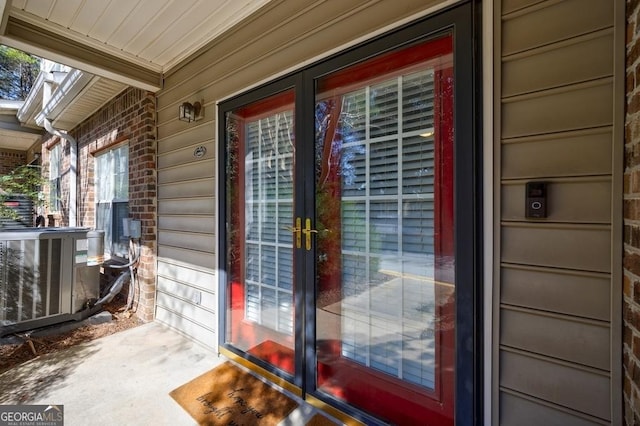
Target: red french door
(260,185)
(384,215)
(374,325)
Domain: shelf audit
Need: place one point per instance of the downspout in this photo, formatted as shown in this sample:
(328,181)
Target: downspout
(73,175)
(73,156)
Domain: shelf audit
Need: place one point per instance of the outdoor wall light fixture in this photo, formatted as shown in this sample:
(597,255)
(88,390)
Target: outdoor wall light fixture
(191,112)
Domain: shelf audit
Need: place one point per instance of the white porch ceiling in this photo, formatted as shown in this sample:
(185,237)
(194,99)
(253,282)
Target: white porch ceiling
(120,42)
(132,41)
(16,139)
(13,135)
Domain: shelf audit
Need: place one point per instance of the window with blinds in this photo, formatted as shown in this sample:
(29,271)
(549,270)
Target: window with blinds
(387,217)
(268,213)
(112,198)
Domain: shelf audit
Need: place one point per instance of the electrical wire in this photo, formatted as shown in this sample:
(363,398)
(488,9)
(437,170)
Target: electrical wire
(134,256)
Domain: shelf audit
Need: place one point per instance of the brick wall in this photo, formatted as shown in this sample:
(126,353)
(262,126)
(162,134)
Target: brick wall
(631,283)
(10,160)
(128,118)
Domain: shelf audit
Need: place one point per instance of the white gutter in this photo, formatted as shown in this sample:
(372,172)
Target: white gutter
(66,90)
(29,104)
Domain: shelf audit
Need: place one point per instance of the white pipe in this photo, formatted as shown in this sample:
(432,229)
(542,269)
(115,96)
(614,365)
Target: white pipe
(73,175)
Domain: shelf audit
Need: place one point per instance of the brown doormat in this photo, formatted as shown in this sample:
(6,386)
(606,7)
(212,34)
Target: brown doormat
(228,395)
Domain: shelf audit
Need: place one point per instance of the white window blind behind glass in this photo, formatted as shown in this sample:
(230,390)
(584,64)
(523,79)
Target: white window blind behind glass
(387,167)
(268,210)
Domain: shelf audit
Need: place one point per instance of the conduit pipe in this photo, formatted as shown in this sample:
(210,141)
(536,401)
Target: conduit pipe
(126,275)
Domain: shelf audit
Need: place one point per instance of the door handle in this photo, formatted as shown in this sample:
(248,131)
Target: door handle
(296,230)
(307,233)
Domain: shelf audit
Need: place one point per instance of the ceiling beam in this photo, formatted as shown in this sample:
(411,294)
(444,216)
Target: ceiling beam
(38,41)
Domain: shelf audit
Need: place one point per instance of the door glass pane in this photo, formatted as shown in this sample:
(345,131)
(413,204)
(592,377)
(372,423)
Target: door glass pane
(385,267)
(259,173)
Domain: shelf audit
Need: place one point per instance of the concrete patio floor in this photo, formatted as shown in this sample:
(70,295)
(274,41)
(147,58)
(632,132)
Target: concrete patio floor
(123,379)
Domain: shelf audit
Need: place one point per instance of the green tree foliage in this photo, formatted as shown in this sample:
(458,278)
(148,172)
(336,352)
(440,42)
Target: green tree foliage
(18,72)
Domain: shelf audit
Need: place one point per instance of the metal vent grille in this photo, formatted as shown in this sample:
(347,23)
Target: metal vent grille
(23,206)
(30,279)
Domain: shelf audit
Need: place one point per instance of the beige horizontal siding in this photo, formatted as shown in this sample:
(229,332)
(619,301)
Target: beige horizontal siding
(200,224)
(186,172)
(186,155)
(186,240)
(186,298)
(187,206)
(585,248)
(198,277)
(519,410)
(553,21)
(183,130)
(555,109)
(194,134)
(194,330)
(575,60)
(562,337)
(577,293)
(571,200)
(187,308)
(554,154)
(509,6)
(188,189)
(188,256)
(192,295)
(559,383)
(580,106)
